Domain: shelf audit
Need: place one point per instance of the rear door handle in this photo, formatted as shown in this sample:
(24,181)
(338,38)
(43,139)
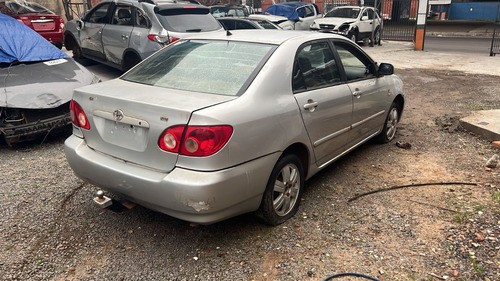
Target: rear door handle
(357,93)
(124,36)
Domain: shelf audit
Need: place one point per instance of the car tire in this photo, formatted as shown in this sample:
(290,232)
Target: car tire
(77,51)
(354,36)
(283,192)
(130,61)
(390,125)
(376,36)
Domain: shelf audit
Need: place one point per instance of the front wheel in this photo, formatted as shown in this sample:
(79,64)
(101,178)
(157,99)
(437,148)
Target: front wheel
(354,37)
(283,192)
(77,52)
(390,126)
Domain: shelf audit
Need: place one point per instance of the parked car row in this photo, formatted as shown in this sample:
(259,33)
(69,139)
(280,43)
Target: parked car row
(121,33)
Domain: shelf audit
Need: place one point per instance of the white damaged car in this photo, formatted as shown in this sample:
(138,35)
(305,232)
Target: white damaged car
(356,23)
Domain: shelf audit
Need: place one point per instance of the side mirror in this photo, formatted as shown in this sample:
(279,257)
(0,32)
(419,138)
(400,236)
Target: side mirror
(385,69)
(363,18)
(79,25)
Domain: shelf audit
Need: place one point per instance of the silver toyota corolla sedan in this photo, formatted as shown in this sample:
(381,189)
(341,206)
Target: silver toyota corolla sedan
(219,125)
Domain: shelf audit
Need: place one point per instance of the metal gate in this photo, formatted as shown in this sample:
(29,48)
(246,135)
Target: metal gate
(75,8)
(400,16)
(400,19)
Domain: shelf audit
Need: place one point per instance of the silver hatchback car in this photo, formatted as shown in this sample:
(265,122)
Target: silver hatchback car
(223,124)
(121,33)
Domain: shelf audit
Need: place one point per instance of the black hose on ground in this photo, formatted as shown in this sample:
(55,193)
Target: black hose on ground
(350,274)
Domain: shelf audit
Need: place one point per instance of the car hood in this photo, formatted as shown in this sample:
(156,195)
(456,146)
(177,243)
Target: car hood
(41,85)
(271,18)
(334,21)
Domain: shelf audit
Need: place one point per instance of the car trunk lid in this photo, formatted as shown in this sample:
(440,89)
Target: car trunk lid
(41,23)
(127,119)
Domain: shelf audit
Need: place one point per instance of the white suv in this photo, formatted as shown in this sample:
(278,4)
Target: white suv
(356,23)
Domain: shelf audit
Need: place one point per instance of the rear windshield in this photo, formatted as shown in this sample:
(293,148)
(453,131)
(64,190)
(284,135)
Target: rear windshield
(216,67)
(266,24)
(21,7)
(187,20)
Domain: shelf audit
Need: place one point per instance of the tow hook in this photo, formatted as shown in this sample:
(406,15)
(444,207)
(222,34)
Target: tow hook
(105,202)
(102,200)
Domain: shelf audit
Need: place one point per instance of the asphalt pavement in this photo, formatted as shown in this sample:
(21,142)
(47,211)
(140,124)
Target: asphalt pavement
(461,28)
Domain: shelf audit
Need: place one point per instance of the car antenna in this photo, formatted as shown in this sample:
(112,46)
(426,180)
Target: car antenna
(228,33)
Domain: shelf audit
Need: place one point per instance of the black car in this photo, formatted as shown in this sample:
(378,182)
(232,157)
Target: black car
(246,23)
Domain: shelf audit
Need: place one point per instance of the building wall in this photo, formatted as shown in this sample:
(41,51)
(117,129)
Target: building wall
(473,11)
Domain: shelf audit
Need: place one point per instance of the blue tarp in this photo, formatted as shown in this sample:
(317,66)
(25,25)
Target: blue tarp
(18,42)
(287,10)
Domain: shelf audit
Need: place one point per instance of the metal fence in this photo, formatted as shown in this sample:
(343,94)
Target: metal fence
(75,8)
(400,19)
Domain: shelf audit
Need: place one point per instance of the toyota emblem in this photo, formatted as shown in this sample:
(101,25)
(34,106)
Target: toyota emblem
(118,115)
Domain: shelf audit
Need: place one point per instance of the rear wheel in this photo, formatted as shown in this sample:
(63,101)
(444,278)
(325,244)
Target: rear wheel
(130,61)
(376,36)
(282,196)
(390,126)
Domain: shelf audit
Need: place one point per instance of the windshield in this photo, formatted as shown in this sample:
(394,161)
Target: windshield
(351,13)
(216,67)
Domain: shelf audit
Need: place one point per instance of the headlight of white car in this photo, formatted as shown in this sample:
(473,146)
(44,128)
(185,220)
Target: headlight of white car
(344,28)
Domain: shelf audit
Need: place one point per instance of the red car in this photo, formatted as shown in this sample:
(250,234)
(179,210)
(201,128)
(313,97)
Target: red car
(37,17)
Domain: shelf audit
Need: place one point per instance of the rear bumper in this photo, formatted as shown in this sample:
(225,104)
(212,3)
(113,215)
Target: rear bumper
(195,196)
(52,36)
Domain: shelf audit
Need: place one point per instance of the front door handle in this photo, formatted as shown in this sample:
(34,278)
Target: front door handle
(124,36)
(311,105)
(357,93)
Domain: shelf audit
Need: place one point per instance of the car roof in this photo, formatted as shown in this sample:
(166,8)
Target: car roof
(293,4)
(265,36)
(353,7)
(155,2)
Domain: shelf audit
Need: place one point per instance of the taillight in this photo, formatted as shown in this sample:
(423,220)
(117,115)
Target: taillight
(78,116)
(61,24)
(162,39)
(196,141)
